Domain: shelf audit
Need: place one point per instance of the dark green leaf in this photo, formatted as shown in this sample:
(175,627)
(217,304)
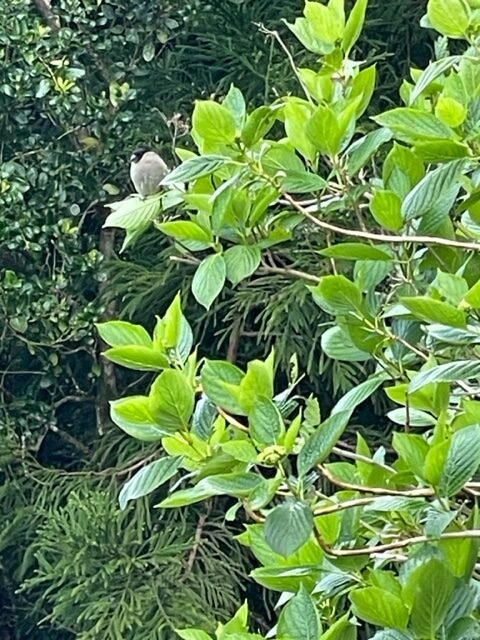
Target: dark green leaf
(194,168)
(148,479)
(266,424)
(319,445)
(356,251)
(448,372)
(463,460)
(299,620)
(288,527)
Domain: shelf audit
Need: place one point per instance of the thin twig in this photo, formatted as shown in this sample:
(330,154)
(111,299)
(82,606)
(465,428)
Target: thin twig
(381,237)
(380,491)
(356,456)
(340,506)
(231,420)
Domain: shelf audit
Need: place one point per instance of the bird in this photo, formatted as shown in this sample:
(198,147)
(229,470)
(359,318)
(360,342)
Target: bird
(147,170)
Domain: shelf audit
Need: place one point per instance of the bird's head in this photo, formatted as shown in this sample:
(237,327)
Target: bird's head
(138,154)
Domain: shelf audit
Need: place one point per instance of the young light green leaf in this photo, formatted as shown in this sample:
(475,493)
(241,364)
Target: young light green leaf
(195,168)
(299,620)
(354,25)
(288,527)
(138,357)
(448,372)
(463,460)
(117,333)
(209,279)
(192,634)
(171,400)
(241,261)
(217,378)
(449,17)
(133,416)
(213,122)
(148,479)
(386,208)
(186,230)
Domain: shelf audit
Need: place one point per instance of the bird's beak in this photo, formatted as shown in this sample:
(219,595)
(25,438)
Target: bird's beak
(132,158)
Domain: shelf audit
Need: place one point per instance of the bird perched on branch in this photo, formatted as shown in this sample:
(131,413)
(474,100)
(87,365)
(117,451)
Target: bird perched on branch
(147,170)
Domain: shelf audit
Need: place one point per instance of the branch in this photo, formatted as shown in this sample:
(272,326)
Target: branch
(380,491)
(381,237)
(340,506)
(399,544)
(44,7)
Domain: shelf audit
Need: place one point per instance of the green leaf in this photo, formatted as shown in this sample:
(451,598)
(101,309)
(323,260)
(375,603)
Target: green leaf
(171,400)
(299,620)
(117,333)
(242,450)
(237,485)
(342,629)
(288,527)
(379,607)
(431,73)
(134,214)
(463,460)
(386,208)
(137,357)
(295,116)
(258,124)
(412,449)
(324,131)
(133,416)
(449,17)
(431,310)
(448,372)
(148,479)
(431,188)
(174,333)
(325,23)
(319,445)
(412,125)
(302,182)
(363,86)
(360,152)
(195,168)
(217,378)
(209,279)
(472,297)
(441,150)
(203,418)
(337,295)
(356,251)
(304,31)
(428,589)
(213,122)
(185,230)
(337,344)
(241,261)
(392,634)
(266,424)
(354,25)
(236,625)
(235,103)
(450,111)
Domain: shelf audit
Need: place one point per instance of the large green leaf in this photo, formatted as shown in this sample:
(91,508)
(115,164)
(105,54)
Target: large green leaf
(133,416)
(117,333)
(137,357)
(237,485)
(412,125)
(357,395)
(148,479)
(265,420)
(287,578)
(360,151)
(171,400)
(241,261)
(448,372)
(299,620)
(356,251)
(386,208)
(288,527)
(428,590)
(213,122)
(379,607)
(432,310)
(209,279)
(183,230)
(449,17)
(194,168)
(337,344)
(337,295)
(463,460)
(321,442)
(217,379)
(431,73)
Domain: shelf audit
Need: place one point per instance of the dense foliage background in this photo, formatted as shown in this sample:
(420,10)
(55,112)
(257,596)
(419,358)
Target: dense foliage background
(79,89)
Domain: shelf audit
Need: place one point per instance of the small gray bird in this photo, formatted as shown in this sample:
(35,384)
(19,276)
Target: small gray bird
(147,170)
